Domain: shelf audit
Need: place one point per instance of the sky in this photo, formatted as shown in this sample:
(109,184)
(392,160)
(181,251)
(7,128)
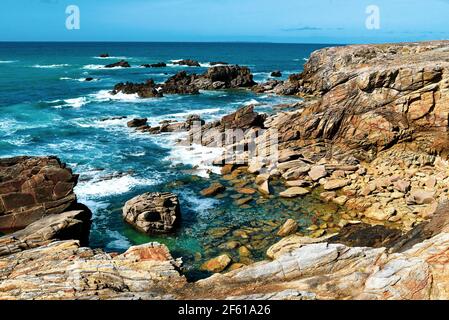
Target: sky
(290,21)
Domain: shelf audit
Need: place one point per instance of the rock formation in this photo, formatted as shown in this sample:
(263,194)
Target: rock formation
(144,90)
(32,188)
(153,212)
(119,64)
(217,77)
(187,62)
(370,97)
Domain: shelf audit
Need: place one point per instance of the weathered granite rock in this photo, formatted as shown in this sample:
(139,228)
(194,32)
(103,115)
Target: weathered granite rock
(369,97)
(32,188)
(243,118)
(63,270)
(70,225)
(153,212)
(181,83)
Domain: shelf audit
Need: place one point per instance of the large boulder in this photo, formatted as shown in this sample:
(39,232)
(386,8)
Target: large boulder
(153,212)
(181,83)
(230,77)
(32,188)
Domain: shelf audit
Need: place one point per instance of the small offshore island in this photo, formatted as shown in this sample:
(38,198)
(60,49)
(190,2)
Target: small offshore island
(366,146)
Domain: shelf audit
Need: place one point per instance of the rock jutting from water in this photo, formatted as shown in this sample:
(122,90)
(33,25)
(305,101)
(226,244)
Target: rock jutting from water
(216,77)
(153,212)
(119,64)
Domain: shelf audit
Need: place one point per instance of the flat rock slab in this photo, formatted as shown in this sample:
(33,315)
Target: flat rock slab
(294,192)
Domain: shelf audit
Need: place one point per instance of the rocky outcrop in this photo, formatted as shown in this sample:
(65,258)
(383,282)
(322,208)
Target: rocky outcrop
(32,188)
(181,83)
(104,55)
(119,64)
(153,212)
(370,97)
(65,226)
(64,270)
(276,74)
(244,118)
(217,77)
(155,65)
(138,122)
(187,62)
(148,89)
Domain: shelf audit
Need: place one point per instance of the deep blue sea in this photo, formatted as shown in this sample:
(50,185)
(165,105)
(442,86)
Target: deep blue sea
(47,109)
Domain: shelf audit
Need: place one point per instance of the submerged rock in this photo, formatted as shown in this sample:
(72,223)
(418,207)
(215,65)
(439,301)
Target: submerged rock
(217,264)
(153,212)
(288,228)
(213,190)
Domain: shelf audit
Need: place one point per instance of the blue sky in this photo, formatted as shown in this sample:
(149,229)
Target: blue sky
(300,21)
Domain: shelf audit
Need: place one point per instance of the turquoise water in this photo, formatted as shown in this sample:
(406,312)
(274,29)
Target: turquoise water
(46,109)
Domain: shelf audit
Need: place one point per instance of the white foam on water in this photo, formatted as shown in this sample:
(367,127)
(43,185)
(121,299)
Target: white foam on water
(200,205)
(76,102)
(79,79)
(102,67)
(251,102)
(197,156)
(197,111)
(106,95)
(7,61)
(96,188)
(70,103)
(50,66)
(109,124)
(120,242)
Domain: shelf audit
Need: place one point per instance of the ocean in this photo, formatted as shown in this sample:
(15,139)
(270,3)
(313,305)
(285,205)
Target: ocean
(46,108)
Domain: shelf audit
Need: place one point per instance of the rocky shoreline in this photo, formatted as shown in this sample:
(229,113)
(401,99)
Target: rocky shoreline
(371,137)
